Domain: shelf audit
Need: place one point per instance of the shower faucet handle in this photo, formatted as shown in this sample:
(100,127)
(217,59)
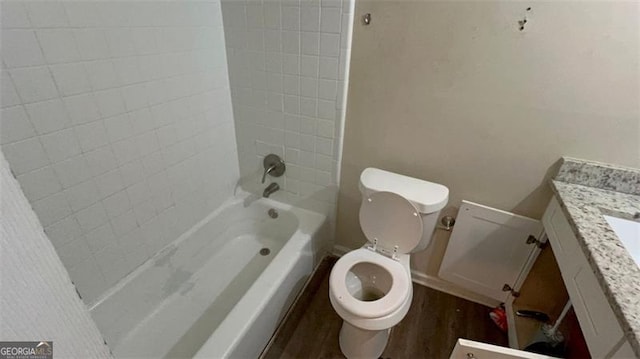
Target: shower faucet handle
(273,165)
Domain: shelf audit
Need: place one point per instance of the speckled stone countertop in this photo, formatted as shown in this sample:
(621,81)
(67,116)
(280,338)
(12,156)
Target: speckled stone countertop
(585,191)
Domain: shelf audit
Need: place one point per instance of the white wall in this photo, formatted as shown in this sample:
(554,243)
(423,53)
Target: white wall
(37,299)
(287,63)
(117,122)
(453,92)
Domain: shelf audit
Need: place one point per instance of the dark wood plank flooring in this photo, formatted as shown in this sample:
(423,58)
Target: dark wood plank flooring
(430,329)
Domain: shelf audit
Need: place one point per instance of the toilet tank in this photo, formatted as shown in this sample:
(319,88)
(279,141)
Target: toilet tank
(428,197)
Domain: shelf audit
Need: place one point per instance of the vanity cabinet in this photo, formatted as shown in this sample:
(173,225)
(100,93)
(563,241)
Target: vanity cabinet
(598,322)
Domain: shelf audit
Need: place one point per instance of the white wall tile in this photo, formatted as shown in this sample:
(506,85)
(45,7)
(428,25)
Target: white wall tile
(39,183)
(138,192)
(28,155)
(20,48)
(272,15)
(48,116)
(110,102)
(100,238)
(102,74)
(91,44)
(82,195)
(82,13)
(291,42)
(61,145)
(133,172)
(329,44)
(327,109)
(109,183)
(112,263)
(120,42)
(327,89)
(9,94)
(272,40)
(325,128)
(116,204)
(291,64)
(309,66)
(33,84)
(15,125)
(74,253)
(52,209)
(124,223)
(70,78)
(144,211)
(331,20)
(14,15)
(58,45)
(310,18)
(91,135)
(82,108)
(127,70)
(47,14)
(291,18)
(91,217)
(63,231)
(328,68)
(135,96)
(118,127)
(144,40)
(332,3)
(72,171)
(308,106)
(307,125)
(126,150)
(308,87)
(87,277)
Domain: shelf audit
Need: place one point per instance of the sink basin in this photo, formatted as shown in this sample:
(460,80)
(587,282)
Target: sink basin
(628,231)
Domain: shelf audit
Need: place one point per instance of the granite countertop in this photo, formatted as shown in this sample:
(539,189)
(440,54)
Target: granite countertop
(587,190)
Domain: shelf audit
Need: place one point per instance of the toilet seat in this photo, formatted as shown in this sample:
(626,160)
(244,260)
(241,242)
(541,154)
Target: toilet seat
(393,299)
(391,223)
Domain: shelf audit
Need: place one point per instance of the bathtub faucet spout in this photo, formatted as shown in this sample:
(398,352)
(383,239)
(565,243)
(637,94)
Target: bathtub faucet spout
(270,189)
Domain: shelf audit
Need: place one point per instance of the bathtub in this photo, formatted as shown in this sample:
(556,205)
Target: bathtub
(220,289)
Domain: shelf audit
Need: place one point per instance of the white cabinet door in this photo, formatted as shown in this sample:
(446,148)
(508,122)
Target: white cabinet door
(624,352)
(488,249)
(468,349)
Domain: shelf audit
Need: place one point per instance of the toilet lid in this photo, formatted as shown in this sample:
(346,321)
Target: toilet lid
(392,220)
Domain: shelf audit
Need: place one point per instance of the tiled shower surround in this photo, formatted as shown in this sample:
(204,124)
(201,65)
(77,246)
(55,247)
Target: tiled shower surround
(117,123)
(288,61)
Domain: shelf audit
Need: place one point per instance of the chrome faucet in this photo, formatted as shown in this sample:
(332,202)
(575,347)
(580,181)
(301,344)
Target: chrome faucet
(273,166)
(270,190)
(268,170)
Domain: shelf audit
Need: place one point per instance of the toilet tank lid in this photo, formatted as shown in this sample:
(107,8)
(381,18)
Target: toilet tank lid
(427,196)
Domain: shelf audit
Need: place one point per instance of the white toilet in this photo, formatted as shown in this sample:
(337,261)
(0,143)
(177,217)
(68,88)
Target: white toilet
(370,288)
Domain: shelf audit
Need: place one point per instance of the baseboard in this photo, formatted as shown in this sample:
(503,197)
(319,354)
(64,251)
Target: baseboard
(433,283)
(449,288)
(339,250)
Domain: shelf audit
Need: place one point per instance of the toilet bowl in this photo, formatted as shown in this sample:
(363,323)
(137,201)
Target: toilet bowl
(370,288)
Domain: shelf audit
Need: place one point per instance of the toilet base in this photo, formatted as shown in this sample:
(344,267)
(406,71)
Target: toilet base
(357,343)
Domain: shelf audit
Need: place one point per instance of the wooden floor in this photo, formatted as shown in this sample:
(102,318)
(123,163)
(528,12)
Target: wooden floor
(430,329)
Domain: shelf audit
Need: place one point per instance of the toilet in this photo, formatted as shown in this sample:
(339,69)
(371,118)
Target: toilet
(370,288)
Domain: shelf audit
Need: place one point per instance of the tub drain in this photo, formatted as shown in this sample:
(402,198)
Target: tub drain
(265,251)
(273,213)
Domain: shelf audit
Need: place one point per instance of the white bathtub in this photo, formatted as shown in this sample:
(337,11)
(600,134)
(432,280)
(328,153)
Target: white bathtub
(210,293)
